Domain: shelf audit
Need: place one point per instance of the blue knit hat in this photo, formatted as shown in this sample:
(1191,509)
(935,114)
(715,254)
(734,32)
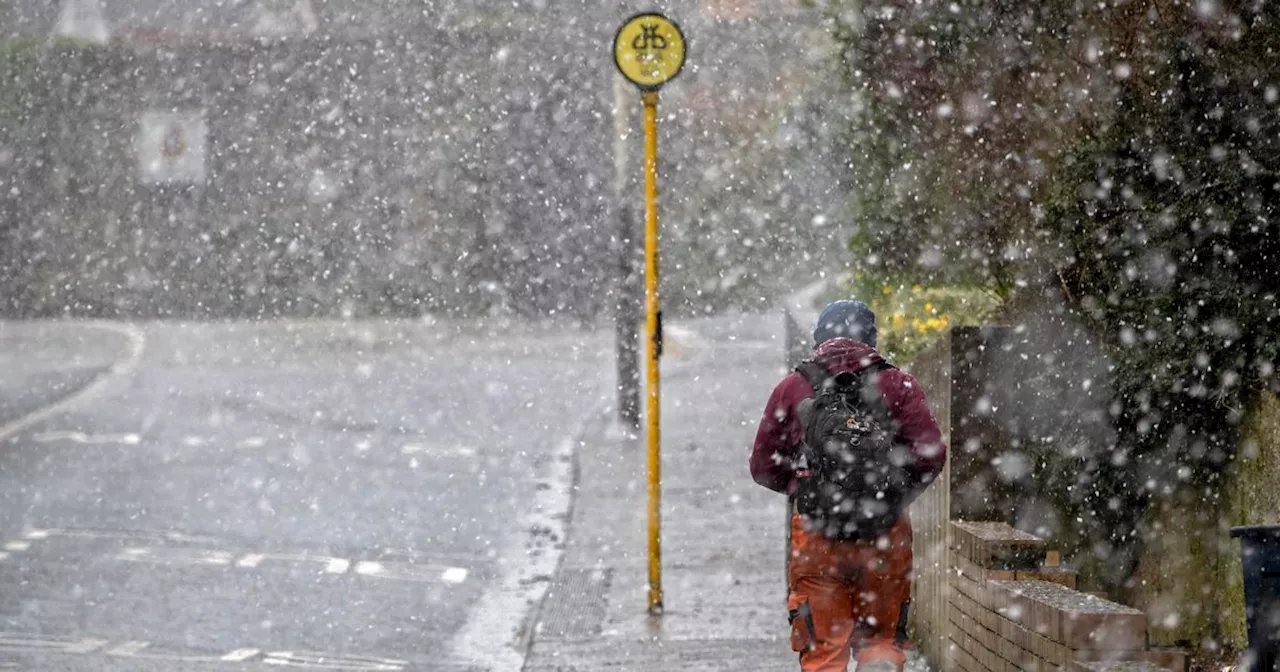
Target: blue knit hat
(848,318)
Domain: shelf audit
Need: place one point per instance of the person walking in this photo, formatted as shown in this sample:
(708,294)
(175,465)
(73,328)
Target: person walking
(851,440)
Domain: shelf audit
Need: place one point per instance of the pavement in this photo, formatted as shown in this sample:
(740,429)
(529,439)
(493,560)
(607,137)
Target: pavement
(723,536)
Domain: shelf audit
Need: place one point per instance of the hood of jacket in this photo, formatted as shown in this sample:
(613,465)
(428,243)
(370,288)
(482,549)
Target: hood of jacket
(845,354)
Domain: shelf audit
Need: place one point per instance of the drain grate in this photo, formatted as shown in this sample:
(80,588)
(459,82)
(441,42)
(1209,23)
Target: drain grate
(575,604)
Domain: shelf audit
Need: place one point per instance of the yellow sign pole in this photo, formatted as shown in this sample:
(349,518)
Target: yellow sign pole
(649,50)
(653,326)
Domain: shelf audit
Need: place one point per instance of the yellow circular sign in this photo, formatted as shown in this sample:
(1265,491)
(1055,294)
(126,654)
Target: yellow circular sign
(649,50)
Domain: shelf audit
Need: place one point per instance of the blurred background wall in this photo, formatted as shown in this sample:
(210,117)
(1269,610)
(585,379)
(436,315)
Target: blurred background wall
(314,157)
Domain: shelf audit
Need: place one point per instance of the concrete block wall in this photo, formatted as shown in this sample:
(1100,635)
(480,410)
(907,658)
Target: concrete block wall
(1014,608)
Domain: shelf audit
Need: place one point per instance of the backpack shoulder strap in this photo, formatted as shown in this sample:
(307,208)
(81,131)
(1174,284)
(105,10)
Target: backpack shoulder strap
(871,373)
(817,374)
(814,372)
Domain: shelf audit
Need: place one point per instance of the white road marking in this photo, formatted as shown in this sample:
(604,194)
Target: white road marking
(241,655)
(134,535)
(369,568)
(3,556)
(320,661)
(162,555)
(22,643)
(193,441)
(137,649)
(128,649)
(438,451)
(331,565)
(86,645)
(11,641)
(92,439)
(139,551)
(253,442)
(410,571)
(136,344)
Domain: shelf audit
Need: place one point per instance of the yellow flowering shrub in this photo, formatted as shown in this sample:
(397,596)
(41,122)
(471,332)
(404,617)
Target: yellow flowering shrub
(909,318)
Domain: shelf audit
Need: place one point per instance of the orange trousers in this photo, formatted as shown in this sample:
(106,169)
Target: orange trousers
(846,595)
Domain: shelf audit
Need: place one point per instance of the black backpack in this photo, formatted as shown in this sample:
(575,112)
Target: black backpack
(858,477)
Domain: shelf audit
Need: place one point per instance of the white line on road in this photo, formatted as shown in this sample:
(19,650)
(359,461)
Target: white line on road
(406,571)
(331,565)
(241,655)
(81,437)
(128,649)
(136,344)
(11,642)
(132,535)
(437,451)
(176,556)
(327,662)
(143,651)
(140,551)
(369,568)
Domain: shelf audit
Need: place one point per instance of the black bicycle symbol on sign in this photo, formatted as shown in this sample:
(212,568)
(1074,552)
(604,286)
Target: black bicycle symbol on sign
(649,39)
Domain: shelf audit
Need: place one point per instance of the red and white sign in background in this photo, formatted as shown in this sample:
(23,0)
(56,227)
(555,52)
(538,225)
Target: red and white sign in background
(171,146)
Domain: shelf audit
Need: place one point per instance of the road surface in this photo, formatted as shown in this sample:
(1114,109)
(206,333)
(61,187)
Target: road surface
(322,495)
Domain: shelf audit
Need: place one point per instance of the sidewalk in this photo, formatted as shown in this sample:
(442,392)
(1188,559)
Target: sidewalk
(723,536)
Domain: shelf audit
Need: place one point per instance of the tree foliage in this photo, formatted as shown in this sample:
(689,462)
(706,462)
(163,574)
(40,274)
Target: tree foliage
(1123,153)
(963,111)
(1169,220)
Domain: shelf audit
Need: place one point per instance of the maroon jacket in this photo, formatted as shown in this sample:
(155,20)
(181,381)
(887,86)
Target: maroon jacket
(780,435)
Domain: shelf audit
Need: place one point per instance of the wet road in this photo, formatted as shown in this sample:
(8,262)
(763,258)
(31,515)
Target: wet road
(357,496)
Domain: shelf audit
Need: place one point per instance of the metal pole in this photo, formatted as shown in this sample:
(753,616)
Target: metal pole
(627,300)
(653,324)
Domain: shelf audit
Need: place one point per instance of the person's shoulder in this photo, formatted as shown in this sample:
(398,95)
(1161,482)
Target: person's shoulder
(898,380)
(794,379)
(793,387)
